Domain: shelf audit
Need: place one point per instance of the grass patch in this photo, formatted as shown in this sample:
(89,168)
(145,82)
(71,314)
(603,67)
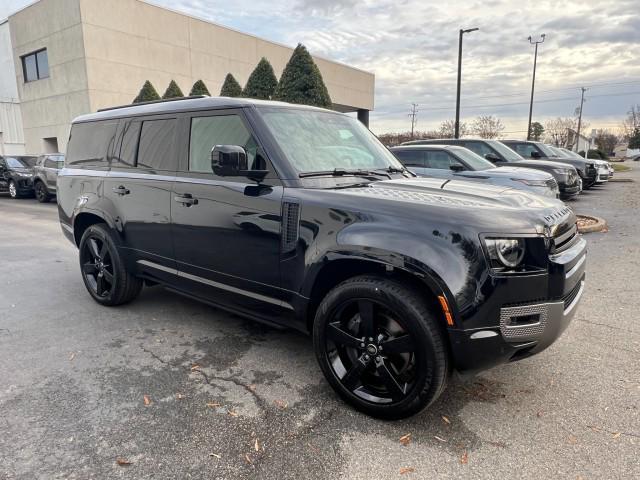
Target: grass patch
(620,168)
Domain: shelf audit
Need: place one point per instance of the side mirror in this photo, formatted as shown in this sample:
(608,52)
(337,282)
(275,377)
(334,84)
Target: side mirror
(492,157)
(231,161)
(228,160)
(535,154)
(456,167)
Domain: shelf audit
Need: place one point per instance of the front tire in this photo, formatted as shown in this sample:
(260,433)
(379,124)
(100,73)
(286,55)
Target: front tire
(42,195)
(103,269)
(380,347)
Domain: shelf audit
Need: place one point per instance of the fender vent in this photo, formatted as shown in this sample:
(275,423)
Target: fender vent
(290,225)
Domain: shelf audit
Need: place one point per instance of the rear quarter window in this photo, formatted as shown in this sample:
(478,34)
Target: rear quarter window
(90,144)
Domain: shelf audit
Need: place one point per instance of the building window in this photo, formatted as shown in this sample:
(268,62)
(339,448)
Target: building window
(35,65)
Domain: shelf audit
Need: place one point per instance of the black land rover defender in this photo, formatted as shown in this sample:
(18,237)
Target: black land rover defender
(299,217)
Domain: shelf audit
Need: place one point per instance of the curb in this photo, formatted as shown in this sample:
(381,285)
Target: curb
(621,180)
(599,226)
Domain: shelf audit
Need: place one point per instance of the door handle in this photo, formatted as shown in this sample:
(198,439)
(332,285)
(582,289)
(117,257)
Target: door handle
(121,190)
(187,200)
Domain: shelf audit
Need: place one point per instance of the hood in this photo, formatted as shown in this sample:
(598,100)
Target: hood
(521,173)
(453,193)
(543,163)
(23,170)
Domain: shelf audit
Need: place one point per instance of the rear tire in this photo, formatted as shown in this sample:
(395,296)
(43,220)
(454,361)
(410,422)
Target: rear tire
(42,195)
(380,347)
(103,269)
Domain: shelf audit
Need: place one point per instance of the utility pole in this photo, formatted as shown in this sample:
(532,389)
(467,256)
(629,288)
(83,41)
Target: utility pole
(457,125)
(533,81)
(414,116)
(580,118)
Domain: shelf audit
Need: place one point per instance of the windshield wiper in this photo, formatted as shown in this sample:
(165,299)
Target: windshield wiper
(339,172)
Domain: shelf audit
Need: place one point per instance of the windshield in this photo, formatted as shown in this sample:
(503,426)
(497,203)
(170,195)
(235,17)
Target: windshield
(570,154)
(475,161)
(21,162)
(323,141)
(505,151)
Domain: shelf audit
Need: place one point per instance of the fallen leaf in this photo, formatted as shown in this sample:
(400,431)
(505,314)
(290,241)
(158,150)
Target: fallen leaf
(572,439)
(251,387)
(233,413)
(122,461)
(539,414)
(257,446)
(195,367)
(405,439)
(147,400)
(440,439)
(213,404)
(499,444)
(179,396)
(404,470)
(214,455)
(281,404)
(617,434)
(72,356)
(248,458)
(464,459)
(446,420)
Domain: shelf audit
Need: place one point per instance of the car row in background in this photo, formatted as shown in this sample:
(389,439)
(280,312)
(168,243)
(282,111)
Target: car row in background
(28,175)
(565,175)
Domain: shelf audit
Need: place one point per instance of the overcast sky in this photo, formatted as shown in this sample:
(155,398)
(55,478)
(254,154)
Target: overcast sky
(411,46)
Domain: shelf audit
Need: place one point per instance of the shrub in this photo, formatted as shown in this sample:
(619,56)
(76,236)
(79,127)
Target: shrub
(230,87)
(172,91)
(147,93)
(301,81)
(199,88)
(262,82)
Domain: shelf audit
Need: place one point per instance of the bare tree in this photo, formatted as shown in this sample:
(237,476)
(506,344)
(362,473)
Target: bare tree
(606,141)
(487,126)
(448,129)
(559,130)
(393,139)
(632,122)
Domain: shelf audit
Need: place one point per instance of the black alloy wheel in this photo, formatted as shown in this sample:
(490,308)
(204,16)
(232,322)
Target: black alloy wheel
(103,270)
(13,190)
(380,347)
(41,192)
(97,266)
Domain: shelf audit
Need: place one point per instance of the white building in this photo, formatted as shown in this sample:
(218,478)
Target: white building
(11,132)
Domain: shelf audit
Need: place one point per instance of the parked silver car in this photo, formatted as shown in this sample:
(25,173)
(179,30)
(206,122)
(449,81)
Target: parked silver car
(450,161)
(604,168)
(45,175)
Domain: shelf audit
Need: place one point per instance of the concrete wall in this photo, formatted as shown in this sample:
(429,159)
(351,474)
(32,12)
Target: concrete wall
(49,105)
(132,41)
(11,133)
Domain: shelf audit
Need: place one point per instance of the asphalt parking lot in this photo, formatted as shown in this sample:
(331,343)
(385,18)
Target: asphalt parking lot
(166,387)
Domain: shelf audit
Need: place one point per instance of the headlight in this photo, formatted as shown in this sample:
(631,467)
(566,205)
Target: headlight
(560,171)
(505,252)
(21,174)
(531,183)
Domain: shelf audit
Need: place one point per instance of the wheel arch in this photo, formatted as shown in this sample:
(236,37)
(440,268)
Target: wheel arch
(84,220)
(335,271)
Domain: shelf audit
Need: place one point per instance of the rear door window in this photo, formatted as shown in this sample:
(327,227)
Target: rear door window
(156,147)
(90,144)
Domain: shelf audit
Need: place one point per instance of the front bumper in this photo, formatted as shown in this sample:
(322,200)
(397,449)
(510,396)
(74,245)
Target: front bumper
(568,191)
(603,176)
(517,329)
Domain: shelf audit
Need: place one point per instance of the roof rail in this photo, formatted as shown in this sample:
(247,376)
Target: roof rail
(152,102)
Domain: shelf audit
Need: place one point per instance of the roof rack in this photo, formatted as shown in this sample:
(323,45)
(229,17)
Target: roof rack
(152,102)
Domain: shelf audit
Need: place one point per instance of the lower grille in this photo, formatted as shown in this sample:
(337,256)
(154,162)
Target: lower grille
(571,296)
(523,323)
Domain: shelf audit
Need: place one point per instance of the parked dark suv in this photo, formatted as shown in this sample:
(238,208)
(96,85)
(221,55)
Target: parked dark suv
(496,152)
(539,151)
(45,174)
(298,217)
(16,175)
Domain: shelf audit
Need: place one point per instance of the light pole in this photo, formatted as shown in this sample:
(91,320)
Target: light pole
(533,81)
(457,126)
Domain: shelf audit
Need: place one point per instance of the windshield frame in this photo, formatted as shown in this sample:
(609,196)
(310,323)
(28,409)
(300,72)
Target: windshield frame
(467,157)
(380,154)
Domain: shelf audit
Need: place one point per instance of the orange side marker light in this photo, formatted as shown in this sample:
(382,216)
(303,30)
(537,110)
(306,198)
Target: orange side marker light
(445,310)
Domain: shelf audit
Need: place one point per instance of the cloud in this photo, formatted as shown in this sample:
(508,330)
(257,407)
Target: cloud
(412,47)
